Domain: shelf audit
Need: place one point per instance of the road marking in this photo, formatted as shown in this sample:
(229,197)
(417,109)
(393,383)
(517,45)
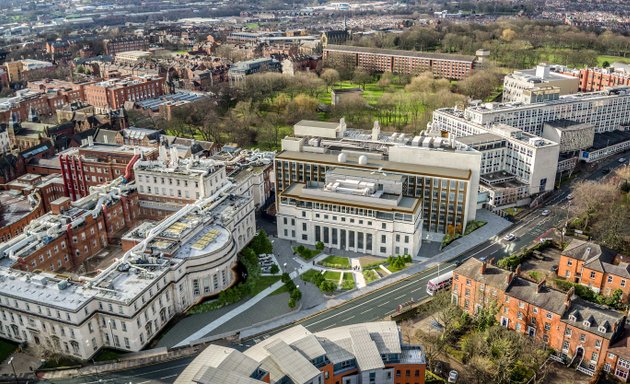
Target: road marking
(367,310)
(168,377)
(330,326)
(418,289)
(380,305)
(349,318)
(399,297)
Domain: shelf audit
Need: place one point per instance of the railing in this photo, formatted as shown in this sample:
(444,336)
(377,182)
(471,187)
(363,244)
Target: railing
(585,370)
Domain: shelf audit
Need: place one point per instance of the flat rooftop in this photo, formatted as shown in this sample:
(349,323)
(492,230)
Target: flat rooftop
(13,207)
(376,164)
(606,139)
(397,52)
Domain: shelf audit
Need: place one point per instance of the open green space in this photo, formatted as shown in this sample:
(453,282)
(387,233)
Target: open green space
(332,276)
(305,252)
(337,262)
(347,281)
(612,59)
(370,275)
(262,283)
(310,276)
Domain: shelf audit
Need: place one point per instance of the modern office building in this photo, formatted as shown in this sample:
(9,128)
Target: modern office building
(607,110)
(581,333)
(353,354)
(401,62)
(442,176)
(536,85)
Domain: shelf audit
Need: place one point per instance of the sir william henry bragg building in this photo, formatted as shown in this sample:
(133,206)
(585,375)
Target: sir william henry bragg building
(371,191)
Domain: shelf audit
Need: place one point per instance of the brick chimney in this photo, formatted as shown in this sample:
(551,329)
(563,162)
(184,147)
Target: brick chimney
(483,267)
(540,286)
(491,261)
(567,299)
(509,278)
(517,271)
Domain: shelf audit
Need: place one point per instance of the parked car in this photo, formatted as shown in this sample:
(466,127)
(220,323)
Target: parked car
(622,160)
(509,237)
(453,375)
(570,196)
(546,212)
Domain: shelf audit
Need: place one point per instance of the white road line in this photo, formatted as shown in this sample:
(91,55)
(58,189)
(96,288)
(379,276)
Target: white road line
(330,326)
(418,289)
(367,310)
(168,377)
(380,305)
(426,278)
(399,297)
(349,318)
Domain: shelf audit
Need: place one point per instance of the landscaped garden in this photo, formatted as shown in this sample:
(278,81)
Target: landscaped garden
(336,262)
(305,252)
(347,282)
(370,276)
(398,263)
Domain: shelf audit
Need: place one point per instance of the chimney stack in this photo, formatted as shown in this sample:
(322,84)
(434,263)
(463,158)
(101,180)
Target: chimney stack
(569,296)
(517,271)
(509,278)
(483,267)
(540,286)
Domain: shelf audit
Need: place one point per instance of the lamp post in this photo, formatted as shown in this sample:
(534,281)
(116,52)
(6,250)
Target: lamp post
(13,369)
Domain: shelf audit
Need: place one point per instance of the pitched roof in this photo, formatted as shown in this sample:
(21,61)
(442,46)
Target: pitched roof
(493,276)
(546,298)
(596,315)
(597,257)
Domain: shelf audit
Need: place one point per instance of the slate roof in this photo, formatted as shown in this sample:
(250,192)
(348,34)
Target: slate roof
(597,257)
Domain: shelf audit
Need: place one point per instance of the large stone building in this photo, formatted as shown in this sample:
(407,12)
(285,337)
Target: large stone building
(434,173)
(361,353)
(401,62)
(581,333)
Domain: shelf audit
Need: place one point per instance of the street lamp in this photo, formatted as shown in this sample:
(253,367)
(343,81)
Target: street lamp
(13,369)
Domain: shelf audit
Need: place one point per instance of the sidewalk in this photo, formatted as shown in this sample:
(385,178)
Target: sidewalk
(494,226)
(200,333)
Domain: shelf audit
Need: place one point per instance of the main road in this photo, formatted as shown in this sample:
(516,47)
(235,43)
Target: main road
(380,303)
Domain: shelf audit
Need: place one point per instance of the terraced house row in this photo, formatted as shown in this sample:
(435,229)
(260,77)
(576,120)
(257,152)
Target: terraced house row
(583,334)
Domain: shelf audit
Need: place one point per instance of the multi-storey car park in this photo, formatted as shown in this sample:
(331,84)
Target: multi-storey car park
(372,184)
(55,293)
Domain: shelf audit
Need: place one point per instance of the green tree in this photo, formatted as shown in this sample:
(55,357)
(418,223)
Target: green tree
(319,246)
(328,286)
(330,77)
(361,77)
(274,269)
(261,243)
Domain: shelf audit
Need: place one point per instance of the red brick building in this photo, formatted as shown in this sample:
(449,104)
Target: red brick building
(95,164)
(125,44)
(401,62)
(112,94)
(581,332)
(595,266)
(596,79)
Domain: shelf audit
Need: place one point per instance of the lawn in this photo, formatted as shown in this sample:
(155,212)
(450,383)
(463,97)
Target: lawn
(310,275)
(372,93)
(6,349)
(394,269)
(335,262)
(347,281)
(612,59)
(370,275)
(305,252)
(264,282)
(332,276)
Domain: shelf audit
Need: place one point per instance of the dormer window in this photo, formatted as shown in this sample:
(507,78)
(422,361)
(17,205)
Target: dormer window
(587,323)
(602,329)
(572,318)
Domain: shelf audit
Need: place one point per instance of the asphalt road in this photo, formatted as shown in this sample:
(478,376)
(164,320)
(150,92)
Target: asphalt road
(379,304)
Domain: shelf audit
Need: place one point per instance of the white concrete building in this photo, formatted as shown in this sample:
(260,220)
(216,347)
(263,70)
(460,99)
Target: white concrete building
(354,210)
(445,176)
(169,266)
(537,85)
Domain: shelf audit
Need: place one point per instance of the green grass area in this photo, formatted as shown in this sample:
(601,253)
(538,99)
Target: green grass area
(332,276)
(6,349)
(537,276)
(280,290)
(310,275)
(393,268)
(612,59)
(108,355)
(473,225)
(263,283)
(370,275)
(372,92)
(252,25)
(305,252)
(347,281)
(337,262)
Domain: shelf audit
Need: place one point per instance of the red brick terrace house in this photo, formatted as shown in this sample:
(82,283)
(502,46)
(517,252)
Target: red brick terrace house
(584,335)
(595,266)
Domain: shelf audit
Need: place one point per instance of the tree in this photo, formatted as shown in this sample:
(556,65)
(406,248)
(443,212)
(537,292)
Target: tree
(361,77)
(261,244)
(480,85)
(296,294)
(319,246)
(385,80)
(330,77)
(508,35)
(292,303)
(301,107)
(606,64)
(328,286)
(274,269)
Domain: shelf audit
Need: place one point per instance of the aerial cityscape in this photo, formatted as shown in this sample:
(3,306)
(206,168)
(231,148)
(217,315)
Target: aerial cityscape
(315,192)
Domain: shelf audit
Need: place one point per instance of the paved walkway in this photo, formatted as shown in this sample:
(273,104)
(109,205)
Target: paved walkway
(494,226)
(200,333)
